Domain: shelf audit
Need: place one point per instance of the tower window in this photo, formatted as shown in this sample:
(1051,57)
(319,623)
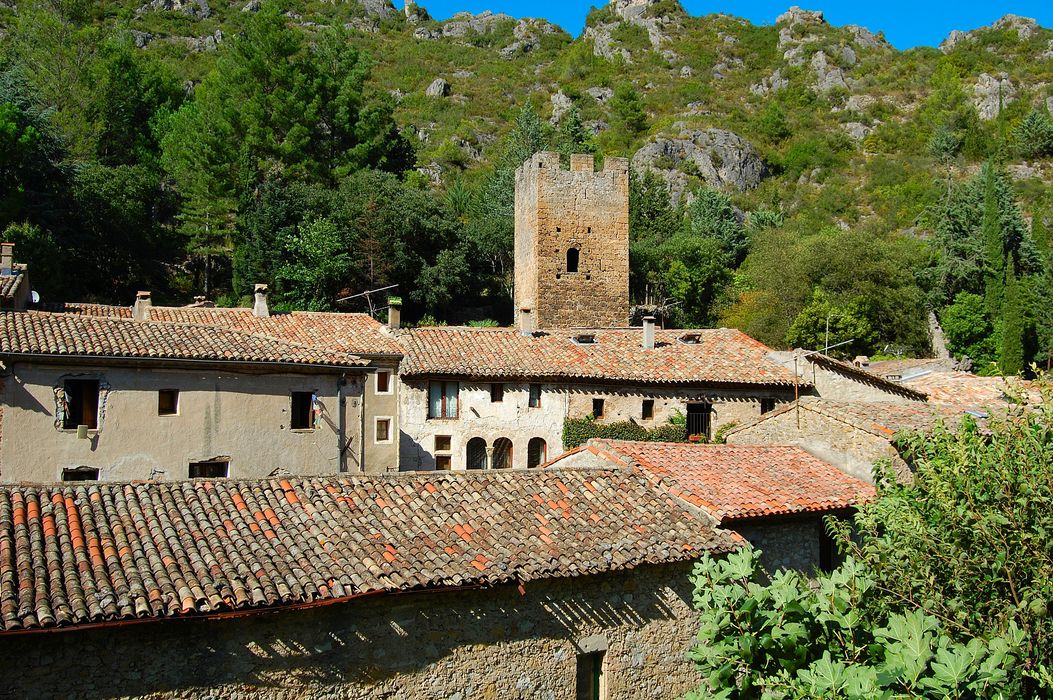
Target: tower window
(573,255)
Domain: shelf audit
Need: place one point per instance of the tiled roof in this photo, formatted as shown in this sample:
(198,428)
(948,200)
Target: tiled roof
(720,356)
(906,367)
(90,553)
(865,376)
(9,284)
(735,482)
(36,332)
(359,334)
(881,418)
(965,389)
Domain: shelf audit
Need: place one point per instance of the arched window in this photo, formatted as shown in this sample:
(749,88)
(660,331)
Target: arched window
(537,452)
(573,254)
(476,454)
(502,453)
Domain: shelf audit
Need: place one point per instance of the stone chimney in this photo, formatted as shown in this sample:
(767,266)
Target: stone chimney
(648,333)
(259,306)
(143,304)
(526,321)
(394,313)
(7,258)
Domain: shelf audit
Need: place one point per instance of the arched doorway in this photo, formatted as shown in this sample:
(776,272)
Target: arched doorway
(537,452)
(476,454)
(502,453)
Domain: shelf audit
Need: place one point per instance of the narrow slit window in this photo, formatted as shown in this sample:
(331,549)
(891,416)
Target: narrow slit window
(497,392)
(302,409)
(80,474)
(383,382)
(82,404)
(573,257)
(648,409)
(590,683)
(167,402)
(597,408)
(534,399)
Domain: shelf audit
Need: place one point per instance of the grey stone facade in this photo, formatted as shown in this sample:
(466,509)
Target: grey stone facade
(487,643)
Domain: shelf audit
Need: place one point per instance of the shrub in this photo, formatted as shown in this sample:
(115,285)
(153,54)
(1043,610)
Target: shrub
(578,431)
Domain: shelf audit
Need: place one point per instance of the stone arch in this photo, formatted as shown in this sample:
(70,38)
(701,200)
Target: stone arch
(502,454)
(573,259)
(475,455)
(537,452)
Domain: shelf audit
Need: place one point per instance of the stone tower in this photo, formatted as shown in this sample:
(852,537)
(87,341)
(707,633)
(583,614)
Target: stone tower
(572,242)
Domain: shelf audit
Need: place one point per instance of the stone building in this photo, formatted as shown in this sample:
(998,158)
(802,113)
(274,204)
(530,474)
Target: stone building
(852,436)
(144,392)
(562,584)
(774,496)
(843,381)
(572,242)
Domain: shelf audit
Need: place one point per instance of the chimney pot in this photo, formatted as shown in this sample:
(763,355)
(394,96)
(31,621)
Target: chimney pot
(143,302)
(394,313)
(648,333)
(7,258)
(259,305)
(526,322)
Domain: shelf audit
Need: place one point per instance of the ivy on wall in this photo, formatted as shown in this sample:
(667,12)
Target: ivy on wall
(577,431)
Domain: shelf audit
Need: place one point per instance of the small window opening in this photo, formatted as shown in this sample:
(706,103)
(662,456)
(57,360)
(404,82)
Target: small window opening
(590,684)
(442,399)
(211,469)
(537,452)
(648,409)
(534,399)
(443,463)
(443,443)
(690,338)
(80,474)
(767,405)
(502,453)
(302,410)
(585,338)
(597,408)
(700,419)
(167,402)
(383,430)
(383,382)
(476,454)
(82,403)
(573,255)
(497,392)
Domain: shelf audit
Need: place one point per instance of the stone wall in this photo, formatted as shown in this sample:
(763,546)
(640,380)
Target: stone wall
(243,417)
(559,210)
(513,419)
(835,386)
(786,542)
(475,644)
(848,448)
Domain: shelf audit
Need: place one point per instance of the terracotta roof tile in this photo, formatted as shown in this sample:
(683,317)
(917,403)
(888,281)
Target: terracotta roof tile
(36,332)
(359,334)
(9,284)
(720,356)
(735,482)
(89,553)
(965,389)
(868,377)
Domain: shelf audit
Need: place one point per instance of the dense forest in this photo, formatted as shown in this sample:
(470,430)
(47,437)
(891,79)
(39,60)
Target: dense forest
(807,183)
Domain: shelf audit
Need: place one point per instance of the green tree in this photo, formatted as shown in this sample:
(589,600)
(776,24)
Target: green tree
(968,330)
(823,323)
(1034,135)
(1014,334)
(316,264)
(628,109)
(573,136)
(711,215)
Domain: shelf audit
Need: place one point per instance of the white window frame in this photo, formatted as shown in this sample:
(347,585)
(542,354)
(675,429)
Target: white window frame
(391,430)
(391,382)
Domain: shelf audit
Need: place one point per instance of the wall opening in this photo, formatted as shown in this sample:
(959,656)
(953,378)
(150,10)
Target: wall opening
(497,392)
(591,684)
(597,408)
(647,412)
(700,419)
(537,452)
(301,410)
(502,453)
(168,402)
(573,257)
(82,403)
(767,406)
(80,474)
(210,469)
(534,398)
(476,454)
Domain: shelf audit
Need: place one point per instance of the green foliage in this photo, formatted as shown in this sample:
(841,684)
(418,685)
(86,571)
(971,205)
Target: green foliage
(1034,135)
(788,637)
(628,110)
(968,330)
(578,431)
(711,215)
(822,324)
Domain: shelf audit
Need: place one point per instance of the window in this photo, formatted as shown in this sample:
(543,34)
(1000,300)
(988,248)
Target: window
(443,463)
(767,405)
(383,430)
(82,403)
(476,456)
(383,382)
(211,469)
(534,401)
(584,339)
(167,402)
(700,419)
(690,338)
(573,255)
(537,452)
(442,443)
(302,410)
(502,453)
(648,409)
(590,685)
(80,474)
(497,393)
(442,399)
(597,408)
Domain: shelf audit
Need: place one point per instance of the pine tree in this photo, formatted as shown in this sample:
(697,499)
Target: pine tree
(1011,355)
(993,240)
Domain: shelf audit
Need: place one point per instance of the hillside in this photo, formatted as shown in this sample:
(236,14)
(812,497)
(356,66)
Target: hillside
(844,180)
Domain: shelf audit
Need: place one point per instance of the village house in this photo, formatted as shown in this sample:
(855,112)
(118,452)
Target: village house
(104,392)
(774,496)
(556,583)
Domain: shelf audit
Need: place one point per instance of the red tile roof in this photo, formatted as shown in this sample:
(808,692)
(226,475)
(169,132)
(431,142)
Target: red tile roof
(9,284)
(75,554)
(720,356)
(735,482)
(59,334)
(965,389)
(358,334)
(865,376)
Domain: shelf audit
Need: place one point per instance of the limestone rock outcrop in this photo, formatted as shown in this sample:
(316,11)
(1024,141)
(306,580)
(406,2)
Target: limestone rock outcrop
(561,104)
(438,88)
(991,93)
(641,13)
(198,9)
(1025,28)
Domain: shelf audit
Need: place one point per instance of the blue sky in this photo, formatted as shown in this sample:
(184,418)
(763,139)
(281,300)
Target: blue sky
(906,24)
